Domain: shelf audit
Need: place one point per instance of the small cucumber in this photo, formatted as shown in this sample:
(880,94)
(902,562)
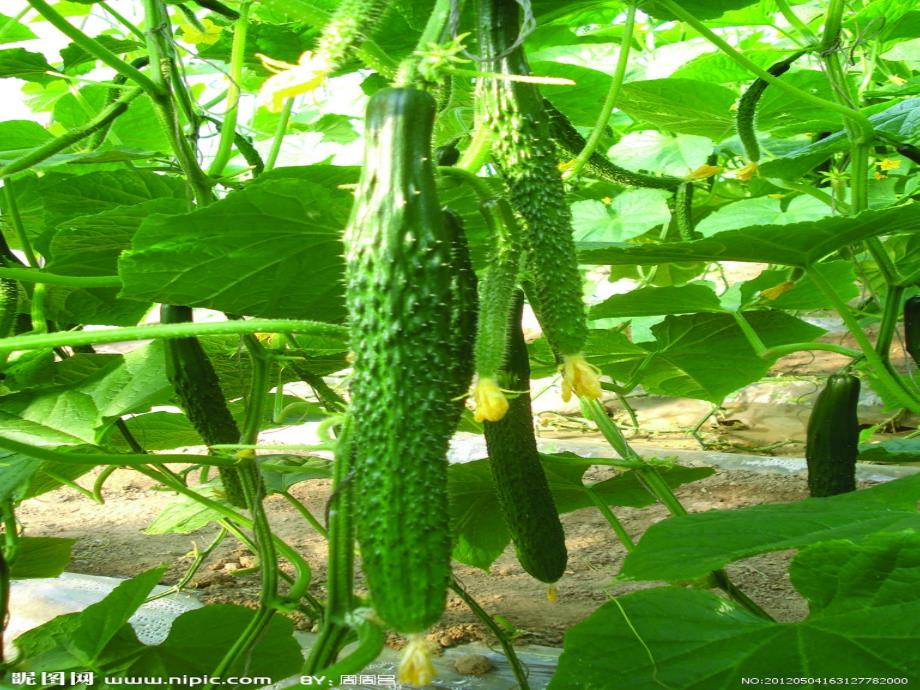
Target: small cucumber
(833,437)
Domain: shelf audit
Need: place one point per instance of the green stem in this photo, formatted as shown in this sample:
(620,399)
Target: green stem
(891,382)
(613,93)
(860,120)
(341,549)
(280,132)
(70,483)
(795,22)
(41,153)
(889,322)
(170,330)
(752,336)
(783,350)
(118,460)
(434,28)
(37,310)
(94,48)
(520,673)
(194,567)
(477,153)
(234,79)
(611,519)
(159,35)
(36,275)
(305,514)
(98,485)
(11,207)
(130,26)
(833,21)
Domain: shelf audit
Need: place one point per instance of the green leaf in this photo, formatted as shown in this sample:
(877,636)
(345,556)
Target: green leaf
(893,450)
(18,136)
(701,9)
(581,102)
(157,431)
(898,123)
(804,295)
(719,68)
(653,150)
(15,472)
(199,637)
(863,623)
(691,546)
(681,105)
(184,515)
(90,245)
(268,250)
(654,301)
(12,31)
(680,362)
(76,640)
(41,557)
(764,209)
(795,244)
(632,213)
(477,522)
(22,64)
(74,56)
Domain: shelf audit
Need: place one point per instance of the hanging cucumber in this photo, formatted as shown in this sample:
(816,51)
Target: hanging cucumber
(196,385)
(833,437)
(747,109)
(683,211)
(570,143)
(9,304)
(523,491)
(464,311)
(496,293)
(526,158)
(912,328)
(400,289)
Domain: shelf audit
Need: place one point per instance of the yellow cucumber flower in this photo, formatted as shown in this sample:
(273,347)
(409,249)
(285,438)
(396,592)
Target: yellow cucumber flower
(580,377)
(747,172)
(777,290)
(415,667)
(208,34)
(702,172)
(491,403)
(888,164)
(290,80)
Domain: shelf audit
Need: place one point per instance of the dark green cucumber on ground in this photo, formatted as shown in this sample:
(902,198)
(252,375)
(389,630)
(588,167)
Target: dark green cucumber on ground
(197,387)
(523,491)
(832,443)
(400,290)
(912,328)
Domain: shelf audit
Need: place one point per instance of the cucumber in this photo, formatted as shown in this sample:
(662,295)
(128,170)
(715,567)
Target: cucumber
(833,437)
(400,292)
(348,27)
(683,211)
(570,143)
(197,387)
(526,158)
(523,491)
(912,328)
(747,109)
(464,311)
(9,305)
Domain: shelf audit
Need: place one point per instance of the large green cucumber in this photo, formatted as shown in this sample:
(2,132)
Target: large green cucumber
(833,437)
(400,286)
(523,491)
(526,157)
(198,389)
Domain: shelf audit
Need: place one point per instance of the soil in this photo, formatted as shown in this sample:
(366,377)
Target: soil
(110,541)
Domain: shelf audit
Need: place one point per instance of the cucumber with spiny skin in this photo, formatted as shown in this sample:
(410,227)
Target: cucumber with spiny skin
(348,27)
(747,107)
(9,304)
(464,310)
(832,443)
(198,389)
(912,328)
(520,482)
(570,142)
(400,289)
(526,157)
